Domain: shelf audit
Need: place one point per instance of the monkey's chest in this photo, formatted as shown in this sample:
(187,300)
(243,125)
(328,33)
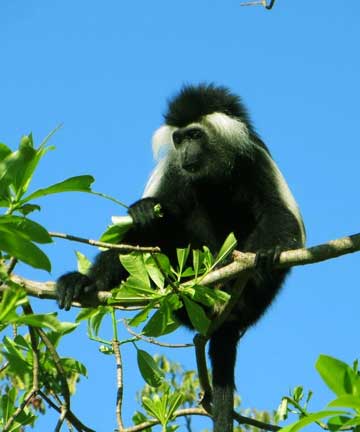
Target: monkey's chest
(210,225)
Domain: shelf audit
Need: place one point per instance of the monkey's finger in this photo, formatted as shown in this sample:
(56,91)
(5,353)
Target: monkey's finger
(68,298)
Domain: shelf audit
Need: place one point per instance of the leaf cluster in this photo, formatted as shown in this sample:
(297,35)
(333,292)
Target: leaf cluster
(344,381)
(18,233)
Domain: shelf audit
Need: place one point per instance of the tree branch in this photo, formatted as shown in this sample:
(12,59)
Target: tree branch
(242,262)
(120,247)
(259,3)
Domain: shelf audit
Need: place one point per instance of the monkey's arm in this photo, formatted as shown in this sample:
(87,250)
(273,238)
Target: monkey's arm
(107,271)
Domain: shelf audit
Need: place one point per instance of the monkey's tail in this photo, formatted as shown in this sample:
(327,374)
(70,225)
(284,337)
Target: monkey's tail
(223,355)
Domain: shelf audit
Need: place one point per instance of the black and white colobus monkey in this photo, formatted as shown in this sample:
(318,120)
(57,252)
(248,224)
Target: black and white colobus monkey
(217,177)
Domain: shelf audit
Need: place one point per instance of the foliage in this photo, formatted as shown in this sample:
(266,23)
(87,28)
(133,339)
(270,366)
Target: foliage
(18,233)
(31,371)
(344,381)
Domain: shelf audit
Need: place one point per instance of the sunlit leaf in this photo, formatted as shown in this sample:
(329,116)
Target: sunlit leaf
(311,418)
(15,245)
(26,228)
(115,233)
(83,263)
(197,315)
(73,184)
(338,376)
(149,369)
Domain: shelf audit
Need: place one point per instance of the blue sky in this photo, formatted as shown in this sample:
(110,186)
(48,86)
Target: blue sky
(106,69)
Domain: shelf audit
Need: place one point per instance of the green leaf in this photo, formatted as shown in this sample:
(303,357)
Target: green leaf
(134,264)
(17,363)
(197,315)
(149,369)
(206,296)
(115,233)
(337,422)
(338,376)
(46,320)
(311,418)
(96,319)
(130,294)
(4,151)
(347,401)
(11,299)
(7,403)
(157,268)
(141,316)
(27,228)
(73,184)
(197,261)
(83,263)
(226,249)
(208,259)
(163,322)
(28,208)
(14,166)
(154,407)
(16,246)
(173,403)
(30,167)
(138,286)
(182,256)
(74,366)
(85,313)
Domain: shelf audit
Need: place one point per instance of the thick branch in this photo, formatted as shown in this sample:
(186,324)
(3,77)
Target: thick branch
(242,262)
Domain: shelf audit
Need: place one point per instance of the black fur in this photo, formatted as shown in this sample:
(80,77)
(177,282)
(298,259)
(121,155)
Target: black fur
(214,183)
(194,102)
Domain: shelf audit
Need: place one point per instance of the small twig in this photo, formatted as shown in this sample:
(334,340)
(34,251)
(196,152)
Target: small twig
(4,366)
(152,340)
(270,5)
(63,414)
(121,247)
(115,343)
(259,3)
(253,422)
(201,412)
(55,356)
(12,265)
(70,415)
(120,384)
(179,413)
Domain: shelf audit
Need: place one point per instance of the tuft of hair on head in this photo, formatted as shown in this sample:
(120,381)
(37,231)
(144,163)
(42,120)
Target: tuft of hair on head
(196,101)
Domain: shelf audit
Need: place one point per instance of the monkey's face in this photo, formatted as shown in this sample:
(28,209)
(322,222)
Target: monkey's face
(192,148)
(200,154)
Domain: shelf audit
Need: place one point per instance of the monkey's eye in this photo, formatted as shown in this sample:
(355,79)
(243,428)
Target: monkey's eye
(195,133)
(177,138)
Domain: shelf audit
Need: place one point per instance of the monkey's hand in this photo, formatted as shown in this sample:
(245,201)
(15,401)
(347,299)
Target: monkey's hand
(146,214)
(72,286)
(266,259)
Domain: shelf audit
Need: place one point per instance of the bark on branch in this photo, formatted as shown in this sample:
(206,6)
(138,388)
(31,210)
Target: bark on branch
(242,262)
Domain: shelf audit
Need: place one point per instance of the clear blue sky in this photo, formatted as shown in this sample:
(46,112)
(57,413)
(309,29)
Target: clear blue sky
(105,69)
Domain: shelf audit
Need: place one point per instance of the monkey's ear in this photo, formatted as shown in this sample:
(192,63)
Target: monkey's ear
(162,140)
